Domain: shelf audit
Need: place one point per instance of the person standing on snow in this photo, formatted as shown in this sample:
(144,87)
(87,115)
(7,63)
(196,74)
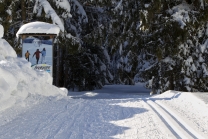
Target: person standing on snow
(43,52)
(37,55)
(27,55)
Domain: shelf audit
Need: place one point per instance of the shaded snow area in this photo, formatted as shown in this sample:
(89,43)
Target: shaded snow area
(114,112)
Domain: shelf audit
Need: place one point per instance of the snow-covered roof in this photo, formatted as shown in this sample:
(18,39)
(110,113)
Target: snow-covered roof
(38,28)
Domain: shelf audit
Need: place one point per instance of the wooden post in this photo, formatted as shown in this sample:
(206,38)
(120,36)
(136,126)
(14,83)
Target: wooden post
(57,67)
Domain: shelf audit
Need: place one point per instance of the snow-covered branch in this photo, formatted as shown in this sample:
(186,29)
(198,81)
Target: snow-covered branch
(64,4)
(49,12)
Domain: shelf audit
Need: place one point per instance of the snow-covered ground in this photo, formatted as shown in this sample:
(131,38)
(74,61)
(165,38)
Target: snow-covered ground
(116,111)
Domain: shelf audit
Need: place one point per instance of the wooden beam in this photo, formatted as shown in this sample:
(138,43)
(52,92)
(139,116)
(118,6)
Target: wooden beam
(37,34)
(23,36)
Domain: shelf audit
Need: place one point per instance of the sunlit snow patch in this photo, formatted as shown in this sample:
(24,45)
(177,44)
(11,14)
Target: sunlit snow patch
(91,94)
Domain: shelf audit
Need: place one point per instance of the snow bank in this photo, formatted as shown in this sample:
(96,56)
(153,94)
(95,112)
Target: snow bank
(18,79)
(38,27)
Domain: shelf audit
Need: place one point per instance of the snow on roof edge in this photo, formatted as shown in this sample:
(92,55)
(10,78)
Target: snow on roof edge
(38,28)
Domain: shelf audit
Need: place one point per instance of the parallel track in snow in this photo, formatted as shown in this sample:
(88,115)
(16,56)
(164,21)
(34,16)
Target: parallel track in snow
(104,117)
(173,122)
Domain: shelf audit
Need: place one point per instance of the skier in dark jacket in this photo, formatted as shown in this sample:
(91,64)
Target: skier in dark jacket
(37,55)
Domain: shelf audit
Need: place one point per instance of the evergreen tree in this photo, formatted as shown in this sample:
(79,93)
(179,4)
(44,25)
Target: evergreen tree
(5,14)
(13,14)
(82,65)
(84,68)
(195,50)
(117,31)
(168,50)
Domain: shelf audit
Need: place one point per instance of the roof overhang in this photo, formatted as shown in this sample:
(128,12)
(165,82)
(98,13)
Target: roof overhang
(38,29)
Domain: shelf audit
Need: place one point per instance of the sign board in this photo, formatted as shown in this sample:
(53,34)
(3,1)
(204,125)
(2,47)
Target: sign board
(39,51)
(43,67)
(37,39)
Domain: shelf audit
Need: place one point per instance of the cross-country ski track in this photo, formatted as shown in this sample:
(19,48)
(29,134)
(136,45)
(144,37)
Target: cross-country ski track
(93,115)
(174,123)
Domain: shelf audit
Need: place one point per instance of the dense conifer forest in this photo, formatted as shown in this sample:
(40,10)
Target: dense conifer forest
(162,43)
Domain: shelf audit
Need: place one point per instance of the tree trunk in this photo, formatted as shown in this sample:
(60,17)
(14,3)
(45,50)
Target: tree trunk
(171,82)
(23,10)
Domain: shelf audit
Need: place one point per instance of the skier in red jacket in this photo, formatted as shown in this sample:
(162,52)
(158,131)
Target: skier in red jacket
(37,55)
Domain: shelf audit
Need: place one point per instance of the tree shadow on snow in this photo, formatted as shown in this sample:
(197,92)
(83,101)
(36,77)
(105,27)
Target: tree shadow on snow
(108,117)
(107,120)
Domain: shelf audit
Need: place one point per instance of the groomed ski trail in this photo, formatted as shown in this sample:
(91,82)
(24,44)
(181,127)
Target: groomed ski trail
(178,127)
(103,116)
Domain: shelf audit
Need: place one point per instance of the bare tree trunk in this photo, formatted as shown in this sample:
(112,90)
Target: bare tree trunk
(23,3)
(171,82)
